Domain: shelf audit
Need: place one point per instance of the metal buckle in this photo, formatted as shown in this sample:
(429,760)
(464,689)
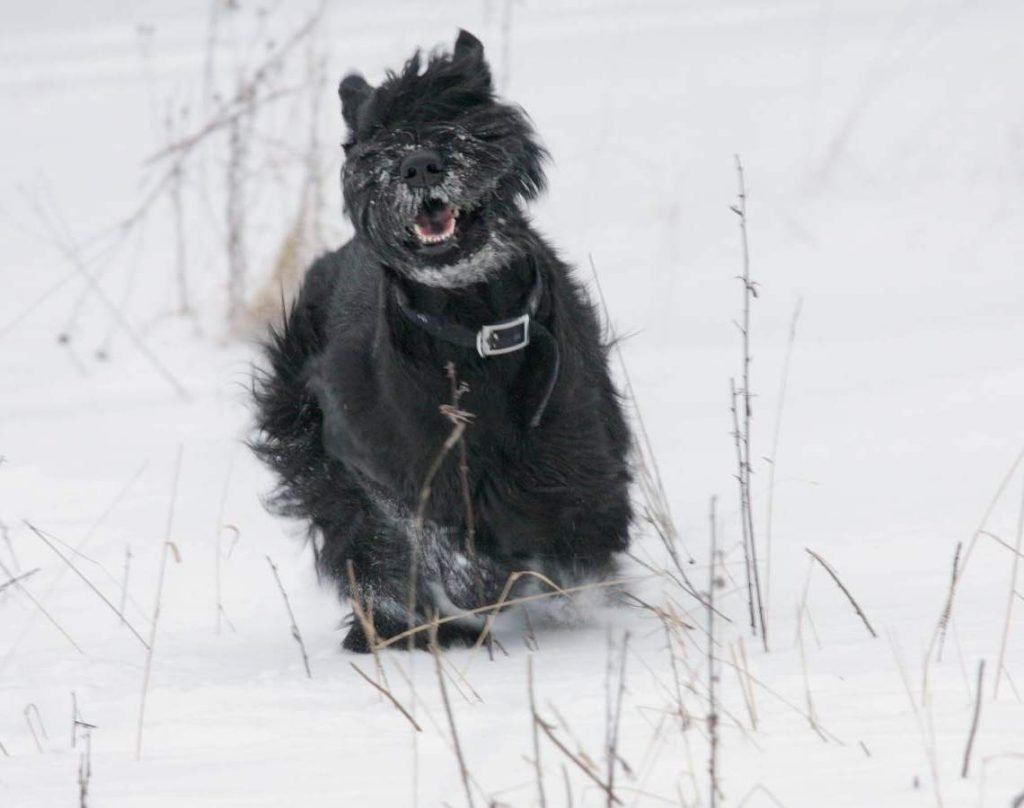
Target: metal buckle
(489,338)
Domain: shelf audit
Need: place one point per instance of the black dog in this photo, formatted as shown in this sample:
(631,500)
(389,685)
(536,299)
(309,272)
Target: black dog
(445,296)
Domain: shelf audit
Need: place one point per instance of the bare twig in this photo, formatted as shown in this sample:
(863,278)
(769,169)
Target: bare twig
(947,609)
(448,711)
(845,591)
(744,525)
(648,471)
(5,533)
(30,711)
(17,580)
(614,717)
(773,464)
(491,607)
(536,735)
(296,634)
(974,720)
(43,537)
(580,764)
(167,547)
(460,420)
(221,527)
(1010,598)
(364,614)
(713,789)
(389,696)
(85,772)
(749,293)
(42,609)
(124,581)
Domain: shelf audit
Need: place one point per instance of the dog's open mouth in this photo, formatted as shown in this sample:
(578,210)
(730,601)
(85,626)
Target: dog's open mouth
(435,224)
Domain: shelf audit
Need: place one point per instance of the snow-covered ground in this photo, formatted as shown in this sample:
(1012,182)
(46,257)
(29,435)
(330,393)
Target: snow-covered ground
(884,151)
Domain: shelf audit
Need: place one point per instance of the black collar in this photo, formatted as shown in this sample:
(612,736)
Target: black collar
(498,338)
(506,336)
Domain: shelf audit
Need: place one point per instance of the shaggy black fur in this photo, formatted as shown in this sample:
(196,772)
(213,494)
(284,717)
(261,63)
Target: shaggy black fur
(349,409)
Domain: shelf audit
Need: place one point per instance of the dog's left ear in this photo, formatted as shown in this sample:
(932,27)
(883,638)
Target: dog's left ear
(467,45)
(470,51)
(354,90)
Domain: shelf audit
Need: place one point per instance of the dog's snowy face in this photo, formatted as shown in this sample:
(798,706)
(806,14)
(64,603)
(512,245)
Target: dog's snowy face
(436,168)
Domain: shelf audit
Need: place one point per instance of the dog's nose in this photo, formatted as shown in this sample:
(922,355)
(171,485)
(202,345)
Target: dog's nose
(422,169)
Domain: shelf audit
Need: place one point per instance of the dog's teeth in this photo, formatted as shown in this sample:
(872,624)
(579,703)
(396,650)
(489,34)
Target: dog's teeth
(456,212)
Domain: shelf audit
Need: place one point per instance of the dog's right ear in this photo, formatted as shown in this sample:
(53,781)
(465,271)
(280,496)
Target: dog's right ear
(353,90)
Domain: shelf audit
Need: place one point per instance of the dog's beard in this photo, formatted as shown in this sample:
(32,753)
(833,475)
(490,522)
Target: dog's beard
(437,237)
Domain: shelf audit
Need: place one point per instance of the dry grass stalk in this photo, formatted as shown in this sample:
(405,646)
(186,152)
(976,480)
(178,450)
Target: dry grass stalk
(745,688)
(65,244)
(5,531)
(974,719)
(812,717)
(168,547)
(77,723)
(18,579)
(835,577)
(14,580)
(713,789)
(741,480)
(364,614)
(221,527)
(463,771)
(948,608)
(584,765)
(296,634)
(405,635)
(1010,598)
(927,731)
(499,604)
(459,419)
(614,713)
(746,468)
(773,462)
(30,711)
(389,696)
(536,733)
(3,749)
(979,531)
(85,772)
(124,581)
(120,613)
(649,480)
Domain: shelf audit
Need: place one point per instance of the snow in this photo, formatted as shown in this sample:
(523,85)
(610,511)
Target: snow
(883,145)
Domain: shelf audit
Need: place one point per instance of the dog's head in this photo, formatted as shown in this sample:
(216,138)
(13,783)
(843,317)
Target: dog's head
(437,168)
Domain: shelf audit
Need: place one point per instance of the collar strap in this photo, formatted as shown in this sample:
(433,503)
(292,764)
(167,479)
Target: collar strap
(506,336)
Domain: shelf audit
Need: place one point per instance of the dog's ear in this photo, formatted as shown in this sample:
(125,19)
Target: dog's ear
(468,46)
(469,54)
(353,90)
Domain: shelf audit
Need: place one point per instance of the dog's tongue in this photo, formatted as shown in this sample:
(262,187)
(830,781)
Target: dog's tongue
(435,223)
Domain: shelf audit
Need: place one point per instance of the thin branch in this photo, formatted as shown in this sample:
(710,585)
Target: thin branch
(845,591)
(296,634)
(974,720)
(168,545)
(712,674)
(536,736)
(24,576)
(583,767)
(1010,598)
(42,609)
(88,583)
(448,711)
(389,696)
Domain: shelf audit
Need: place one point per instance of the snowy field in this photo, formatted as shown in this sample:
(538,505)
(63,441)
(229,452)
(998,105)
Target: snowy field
(883,143)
